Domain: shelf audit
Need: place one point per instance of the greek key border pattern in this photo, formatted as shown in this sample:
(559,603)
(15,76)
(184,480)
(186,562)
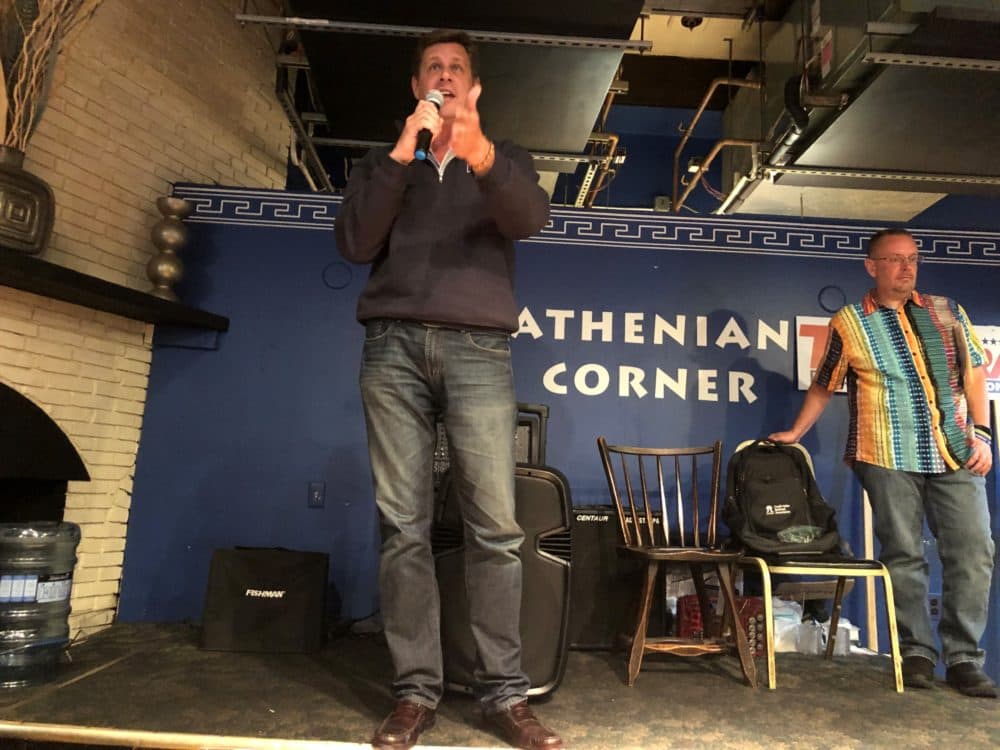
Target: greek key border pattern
(605,228)
(260,208)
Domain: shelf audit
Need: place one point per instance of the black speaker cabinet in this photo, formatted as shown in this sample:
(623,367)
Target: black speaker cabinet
(542,507)
(264,599)
(604,598)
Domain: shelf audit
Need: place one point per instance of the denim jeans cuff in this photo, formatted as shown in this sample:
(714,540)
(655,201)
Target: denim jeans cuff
(966,659)
(921,652)
(414,698)
(505,705)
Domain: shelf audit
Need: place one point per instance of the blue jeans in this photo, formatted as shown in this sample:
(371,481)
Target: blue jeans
(955,507)
(410,373)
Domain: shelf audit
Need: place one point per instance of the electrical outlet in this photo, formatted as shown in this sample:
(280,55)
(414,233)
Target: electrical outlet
(317,495)
(934,605)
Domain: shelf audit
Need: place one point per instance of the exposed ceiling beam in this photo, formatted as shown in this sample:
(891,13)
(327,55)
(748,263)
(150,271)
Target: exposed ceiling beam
(380,29)
(768,9)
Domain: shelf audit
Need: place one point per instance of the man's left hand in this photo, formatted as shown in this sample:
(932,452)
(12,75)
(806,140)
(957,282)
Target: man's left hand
(467,140)
(981,459)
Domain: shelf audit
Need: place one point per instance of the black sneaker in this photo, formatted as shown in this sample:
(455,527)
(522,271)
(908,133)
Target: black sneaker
(918,672)
(968,678)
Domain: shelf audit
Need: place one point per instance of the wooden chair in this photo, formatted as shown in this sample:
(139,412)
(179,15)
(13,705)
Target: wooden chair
(662,523)
(842,570)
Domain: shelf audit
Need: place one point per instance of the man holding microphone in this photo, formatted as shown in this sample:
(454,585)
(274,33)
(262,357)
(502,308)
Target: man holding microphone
(438,310)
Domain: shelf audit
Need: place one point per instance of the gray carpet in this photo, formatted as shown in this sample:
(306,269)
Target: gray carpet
(163,682)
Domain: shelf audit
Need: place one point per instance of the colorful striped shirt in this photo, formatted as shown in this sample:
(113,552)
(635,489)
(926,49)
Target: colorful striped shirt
(904,372)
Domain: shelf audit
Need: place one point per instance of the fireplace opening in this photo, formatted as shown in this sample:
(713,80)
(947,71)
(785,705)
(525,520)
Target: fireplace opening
(37,548)
(37,461)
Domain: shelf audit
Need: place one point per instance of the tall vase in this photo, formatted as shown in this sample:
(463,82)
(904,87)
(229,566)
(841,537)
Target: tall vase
(27,206)
(169,235)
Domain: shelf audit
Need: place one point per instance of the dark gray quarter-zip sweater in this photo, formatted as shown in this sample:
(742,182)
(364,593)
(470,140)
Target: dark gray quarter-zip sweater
(441,247)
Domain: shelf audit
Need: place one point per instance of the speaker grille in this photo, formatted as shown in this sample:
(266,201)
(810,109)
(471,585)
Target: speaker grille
(444,538)
(558,545)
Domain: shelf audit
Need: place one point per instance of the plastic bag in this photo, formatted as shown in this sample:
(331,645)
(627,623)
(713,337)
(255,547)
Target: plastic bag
(799,534)
(787,618)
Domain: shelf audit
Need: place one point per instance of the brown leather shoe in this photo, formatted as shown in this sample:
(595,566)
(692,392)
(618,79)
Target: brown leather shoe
(403,726)
(521,728)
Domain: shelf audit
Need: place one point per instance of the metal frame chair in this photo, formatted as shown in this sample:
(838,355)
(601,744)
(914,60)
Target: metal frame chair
(678,538)
(842,570)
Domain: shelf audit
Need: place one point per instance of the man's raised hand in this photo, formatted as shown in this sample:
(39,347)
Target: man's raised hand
(467,139)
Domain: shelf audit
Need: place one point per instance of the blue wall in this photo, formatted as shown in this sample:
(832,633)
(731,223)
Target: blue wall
(238,424)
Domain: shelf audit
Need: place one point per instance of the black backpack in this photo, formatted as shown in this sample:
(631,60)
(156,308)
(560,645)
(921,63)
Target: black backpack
(773,506)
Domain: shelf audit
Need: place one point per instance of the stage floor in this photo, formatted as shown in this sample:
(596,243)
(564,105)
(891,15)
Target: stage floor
(151,686)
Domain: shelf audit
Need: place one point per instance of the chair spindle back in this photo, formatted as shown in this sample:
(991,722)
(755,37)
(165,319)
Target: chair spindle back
(641,482)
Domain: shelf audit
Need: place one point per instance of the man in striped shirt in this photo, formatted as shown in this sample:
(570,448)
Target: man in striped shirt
(919,442)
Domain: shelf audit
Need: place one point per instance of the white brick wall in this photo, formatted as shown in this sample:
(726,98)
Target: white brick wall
(72,362)
(145,94)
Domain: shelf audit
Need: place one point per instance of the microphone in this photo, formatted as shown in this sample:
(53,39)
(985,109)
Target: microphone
(436,98)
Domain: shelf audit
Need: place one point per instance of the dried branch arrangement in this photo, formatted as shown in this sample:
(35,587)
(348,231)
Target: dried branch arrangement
(31,32)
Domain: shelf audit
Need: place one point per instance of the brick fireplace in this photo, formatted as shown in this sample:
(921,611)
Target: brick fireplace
(86,371)
(144,95)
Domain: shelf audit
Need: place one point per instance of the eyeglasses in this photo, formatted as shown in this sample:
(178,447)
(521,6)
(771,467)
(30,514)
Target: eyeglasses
(901,260)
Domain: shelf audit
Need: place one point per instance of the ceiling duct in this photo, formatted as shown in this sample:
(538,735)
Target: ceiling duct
(870,110)
(546,68)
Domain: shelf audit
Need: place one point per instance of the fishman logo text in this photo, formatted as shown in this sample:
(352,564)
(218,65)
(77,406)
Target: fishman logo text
(265,594)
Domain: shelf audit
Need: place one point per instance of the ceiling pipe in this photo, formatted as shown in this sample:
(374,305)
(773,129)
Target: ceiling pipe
(618,86)
(716,83)
(703,167)
(609,139)
(595,164)
(797,118)
(799,121)
(793,103)
(734,195)
(605,168)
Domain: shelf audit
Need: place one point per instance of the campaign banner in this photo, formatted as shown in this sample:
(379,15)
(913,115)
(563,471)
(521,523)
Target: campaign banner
(811,334)
(990,338)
